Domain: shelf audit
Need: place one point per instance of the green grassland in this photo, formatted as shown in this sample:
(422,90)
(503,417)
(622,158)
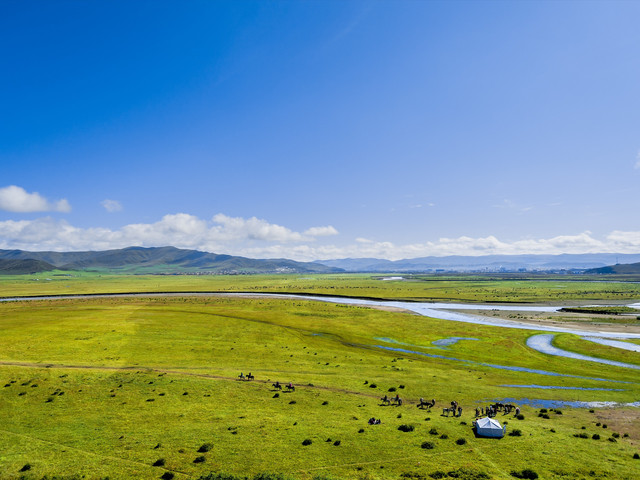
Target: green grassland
(417,288)
(108,387)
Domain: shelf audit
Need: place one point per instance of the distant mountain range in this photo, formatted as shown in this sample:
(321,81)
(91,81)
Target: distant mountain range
(170,260)
(151,260)
(485,263)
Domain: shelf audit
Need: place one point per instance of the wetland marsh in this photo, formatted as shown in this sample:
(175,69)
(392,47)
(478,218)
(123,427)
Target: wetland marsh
(109,386)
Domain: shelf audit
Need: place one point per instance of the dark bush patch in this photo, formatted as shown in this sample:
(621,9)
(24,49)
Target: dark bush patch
(167,476)
(520,416)
(220,476)
(185,393)
(438,474)
(199,459)
(157,446)
(558,412)
(151,399)
(328,439)
(581,435)
(392,389)
(515,433)
(592,411)
(399,415)
(596,436)
(336,443)
(526,473)
(292,402)
(401,386)
(615,435)
(544,415)
(625,435)
(325,403)
(361,430)
(444,436)
(275,395)
(268,476)
(598,424)
(49,400)
(553,430)
(159,463)
(461,441)
(306,442)
(636,456)
(205,447)
(406,428)
(543,410)
(26,467)
(373,385)
(604,425)
(433,431)
(611,439)
(366,382)
(428,445)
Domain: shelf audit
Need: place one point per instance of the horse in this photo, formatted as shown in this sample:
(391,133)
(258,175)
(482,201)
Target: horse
(277,386)
(291,388)
(397,400)
(250,377)
(446,410)
(385,400)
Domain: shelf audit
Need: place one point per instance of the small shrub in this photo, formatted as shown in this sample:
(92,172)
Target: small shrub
(611,439)
(401,386)
(596,436)
(526,473)
(428,445)
(328,440)
(361,430)
(438,474)
(625,435)
(444,436)
(592,411)
(159,463)
(26,467)
(325,403)
(205,447)
(598,424)
(158,445)
(604,425)
(615,435)
(543,410)
(307,441)
(336,443)
(515,433)
(406,428)
(199,459)
(433,431)
(636,456)
(558,412)
(581,435)
(167,476)
(544,415)
(553,430)
(292,402)
(373,385)
(276,395)
(520,416)
(392,389)
(461,441)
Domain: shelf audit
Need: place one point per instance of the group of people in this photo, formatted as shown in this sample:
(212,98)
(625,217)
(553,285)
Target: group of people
(455,408)
(492,410)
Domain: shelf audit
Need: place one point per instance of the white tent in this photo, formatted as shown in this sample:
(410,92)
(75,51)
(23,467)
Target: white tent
(488,427)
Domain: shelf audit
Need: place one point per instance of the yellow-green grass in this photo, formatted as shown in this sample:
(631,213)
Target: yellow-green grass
(352,285)
(112,356)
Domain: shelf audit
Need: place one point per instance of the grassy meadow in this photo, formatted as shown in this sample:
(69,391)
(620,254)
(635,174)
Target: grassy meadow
(148,387)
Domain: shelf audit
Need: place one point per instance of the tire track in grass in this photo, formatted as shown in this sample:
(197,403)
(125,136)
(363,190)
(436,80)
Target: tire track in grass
(116,459)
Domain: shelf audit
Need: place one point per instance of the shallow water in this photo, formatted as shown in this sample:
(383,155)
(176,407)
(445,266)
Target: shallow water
(542,343)
(445,342)
(542,403)
(614,343)
(556,387)
(491,365)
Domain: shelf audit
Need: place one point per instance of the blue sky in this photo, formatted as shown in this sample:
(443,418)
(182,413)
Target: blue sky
(321,129)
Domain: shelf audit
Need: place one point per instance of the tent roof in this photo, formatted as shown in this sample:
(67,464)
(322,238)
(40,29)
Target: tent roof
(488,423)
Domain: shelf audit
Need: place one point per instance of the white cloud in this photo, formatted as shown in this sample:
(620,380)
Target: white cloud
(321,231)
(257,238)
(111,205)
(17,199)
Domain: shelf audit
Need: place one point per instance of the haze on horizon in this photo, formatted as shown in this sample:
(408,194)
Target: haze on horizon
(319,130)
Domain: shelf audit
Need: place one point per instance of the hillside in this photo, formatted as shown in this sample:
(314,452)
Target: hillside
(618,269)
(20,267)
(163,260)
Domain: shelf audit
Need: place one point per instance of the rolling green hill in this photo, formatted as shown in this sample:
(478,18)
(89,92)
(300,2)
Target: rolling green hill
(622,269)
(19,267)
(162,260)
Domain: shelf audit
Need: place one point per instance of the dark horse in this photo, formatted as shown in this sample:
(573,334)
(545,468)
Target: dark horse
(291,388)
(277,386)
(250,377)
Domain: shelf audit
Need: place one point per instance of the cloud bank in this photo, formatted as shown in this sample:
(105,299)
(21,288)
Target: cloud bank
(257,238)
(17,199)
